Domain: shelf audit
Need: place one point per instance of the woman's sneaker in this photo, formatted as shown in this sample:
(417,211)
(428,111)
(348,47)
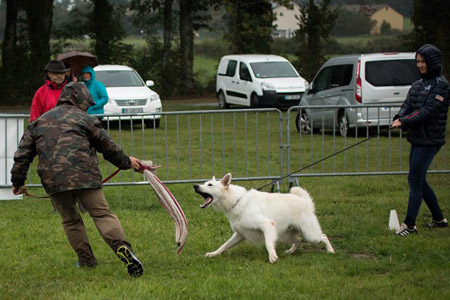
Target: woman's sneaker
(127,256)
(438,224)
(404,230)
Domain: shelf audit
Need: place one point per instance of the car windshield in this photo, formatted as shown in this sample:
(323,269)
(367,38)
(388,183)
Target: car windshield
(273,69)
(119,78)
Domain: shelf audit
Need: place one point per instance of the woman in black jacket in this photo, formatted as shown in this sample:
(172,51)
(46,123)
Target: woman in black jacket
(424,116)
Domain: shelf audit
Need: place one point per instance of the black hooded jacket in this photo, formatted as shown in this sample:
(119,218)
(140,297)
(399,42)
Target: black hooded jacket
(424,111)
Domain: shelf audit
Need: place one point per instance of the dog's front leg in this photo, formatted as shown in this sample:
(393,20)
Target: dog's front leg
(235,239)
(270,237)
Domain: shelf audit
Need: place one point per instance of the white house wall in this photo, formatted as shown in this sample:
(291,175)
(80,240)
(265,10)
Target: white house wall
(286,23)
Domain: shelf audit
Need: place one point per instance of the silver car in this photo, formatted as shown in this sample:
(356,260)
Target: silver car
(373,86)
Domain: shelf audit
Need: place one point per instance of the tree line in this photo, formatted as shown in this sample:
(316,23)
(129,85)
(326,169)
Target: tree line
(30,38)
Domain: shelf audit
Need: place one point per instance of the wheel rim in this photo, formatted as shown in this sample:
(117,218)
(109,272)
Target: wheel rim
(343,125)
(304,125)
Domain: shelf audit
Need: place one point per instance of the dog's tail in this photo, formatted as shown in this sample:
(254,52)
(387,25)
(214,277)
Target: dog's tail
(300,192)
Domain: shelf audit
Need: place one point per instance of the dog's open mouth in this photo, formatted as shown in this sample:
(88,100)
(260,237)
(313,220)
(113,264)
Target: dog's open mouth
(208,199)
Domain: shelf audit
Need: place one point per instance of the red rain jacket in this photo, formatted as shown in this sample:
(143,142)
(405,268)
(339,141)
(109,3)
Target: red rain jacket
(45,99)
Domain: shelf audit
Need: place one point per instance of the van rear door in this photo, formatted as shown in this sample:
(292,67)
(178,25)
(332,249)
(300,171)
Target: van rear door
(228,80)
(386,80)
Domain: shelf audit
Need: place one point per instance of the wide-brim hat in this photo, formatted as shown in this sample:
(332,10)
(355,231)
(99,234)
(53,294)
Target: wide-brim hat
(56,66)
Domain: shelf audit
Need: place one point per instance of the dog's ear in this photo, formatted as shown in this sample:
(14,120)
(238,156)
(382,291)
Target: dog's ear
(226,180)
(214,178)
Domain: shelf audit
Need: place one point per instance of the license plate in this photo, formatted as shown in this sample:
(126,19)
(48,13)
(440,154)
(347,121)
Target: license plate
(292,97)
(132,110)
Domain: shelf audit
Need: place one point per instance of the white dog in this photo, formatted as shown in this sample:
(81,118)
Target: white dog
(259,216)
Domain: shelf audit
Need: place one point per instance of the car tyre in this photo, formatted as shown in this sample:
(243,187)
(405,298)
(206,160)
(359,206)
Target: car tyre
(302,122)
(222,101)
(152,123)
(254,101)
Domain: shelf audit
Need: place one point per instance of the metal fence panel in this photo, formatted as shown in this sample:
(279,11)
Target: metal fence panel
(372,149)
(258,144)
(193,146)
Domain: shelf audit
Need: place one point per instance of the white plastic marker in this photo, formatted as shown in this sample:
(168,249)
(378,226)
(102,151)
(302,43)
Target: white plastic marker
(393,220)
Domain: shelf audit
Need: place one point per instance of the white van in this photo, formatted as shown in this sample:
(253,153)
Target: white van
(258,80)
(360,79)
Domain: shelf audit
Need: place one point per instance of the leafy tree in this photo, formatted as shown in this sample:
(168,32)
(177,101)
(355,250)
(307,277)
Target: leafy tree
(350,24)
(151,13)
(316,23)
(186,29)
(39,24)
(9,50)
(249,25)
(99,20)
(107,30)
(431,24)
(193,16)
(26,48)
(2,17)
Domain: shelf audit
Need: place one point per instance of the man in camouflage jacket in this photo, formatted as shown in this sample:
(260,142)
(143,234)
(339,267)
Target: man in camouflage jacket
(66,140)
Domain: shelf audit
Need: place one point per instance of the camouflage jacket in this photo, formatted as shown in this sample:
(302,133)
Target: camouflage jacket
(66,139)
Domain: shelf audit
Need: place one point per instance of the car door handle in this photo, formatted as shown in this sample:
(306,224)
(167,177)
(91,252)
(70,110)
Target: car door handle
(397,93)
(232,81)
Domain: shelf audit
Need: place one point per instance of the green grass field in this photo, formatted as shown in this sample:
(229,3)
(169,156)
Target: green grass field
(205,69)
(370,261)
(36,261)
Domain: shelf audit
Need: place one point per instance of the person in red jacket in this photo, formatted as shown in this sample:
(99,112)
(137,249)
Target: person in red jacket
(47,95)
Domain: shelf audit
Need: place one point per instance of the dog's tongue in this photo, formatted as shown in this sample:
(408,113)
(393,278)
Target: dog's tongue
(207,202)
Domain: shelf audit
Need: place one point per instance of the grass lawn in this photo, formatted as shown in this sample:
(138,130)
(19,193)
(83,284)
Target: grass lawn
(36,261)
(205,69)
(370,261)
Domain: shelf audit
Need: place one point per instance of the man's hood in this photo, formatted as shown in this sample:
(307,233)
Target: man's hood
(76,93)
(433,59)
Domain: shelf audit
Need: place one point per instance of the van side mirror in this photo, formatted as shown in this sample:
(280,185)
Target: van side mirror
(149,83)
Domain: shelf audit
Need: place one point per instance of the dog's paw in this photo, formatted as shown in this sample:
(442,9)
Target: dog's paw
(211,254)
(273,258)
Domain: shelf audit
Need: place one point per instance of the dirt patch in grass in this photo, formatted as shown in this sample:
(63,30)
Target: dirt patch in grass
(362,255)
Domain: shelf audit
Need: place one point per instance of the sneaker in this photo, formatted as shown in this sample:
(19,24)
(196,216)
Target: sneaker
(83,265)
(438,224)
(127,256)
(404,230)
(86,260)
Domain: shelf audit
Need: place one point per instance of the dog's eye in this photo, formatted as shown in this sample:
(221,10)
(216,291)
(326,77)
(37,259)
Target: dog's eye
(210,184)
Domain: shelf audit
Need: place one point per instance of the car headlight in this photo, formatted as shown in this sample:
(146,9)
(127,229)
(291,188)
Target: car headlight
(267,86)
(154,97)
